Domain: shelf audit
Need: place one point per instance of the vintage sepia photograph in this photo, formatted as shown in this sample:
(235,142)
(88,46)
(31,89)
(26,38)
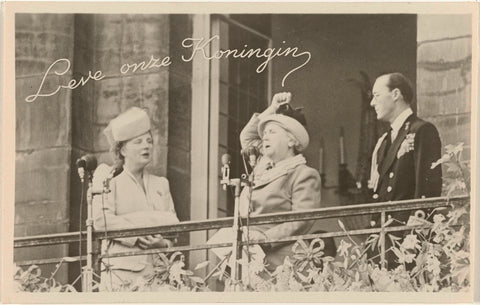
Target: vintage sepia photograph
(207,151)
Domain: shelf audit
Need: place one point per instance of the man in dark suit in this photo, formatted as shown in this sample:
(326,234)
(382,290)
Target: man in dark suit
(402,159)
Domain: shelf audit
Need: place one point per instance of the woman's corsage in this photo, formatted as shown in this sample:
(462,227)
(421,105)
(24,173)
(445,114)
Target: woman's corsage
(407,145)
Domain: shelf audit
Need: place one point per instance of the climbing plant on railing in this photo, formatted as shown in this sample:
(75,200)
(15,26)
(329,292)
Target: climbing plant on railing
(439,259)
(31,280)
(440,254)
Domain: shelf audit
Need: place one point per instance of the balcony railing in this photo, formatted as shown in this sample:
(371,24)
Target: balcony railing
(188,226)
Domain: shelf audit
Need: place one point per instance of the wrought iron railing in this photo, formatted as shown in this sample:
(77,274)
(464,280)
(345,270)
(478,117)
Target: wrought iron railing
(189,226)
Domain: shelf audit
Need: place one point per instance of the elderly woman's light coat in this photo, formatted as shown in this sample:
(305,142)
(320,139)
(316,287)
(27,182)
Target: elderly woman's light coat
(290,185)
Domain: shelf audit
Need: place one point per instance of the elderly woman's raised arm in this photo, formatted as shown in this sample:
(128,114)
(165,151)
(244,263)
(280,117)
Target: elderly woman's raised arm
(249,134)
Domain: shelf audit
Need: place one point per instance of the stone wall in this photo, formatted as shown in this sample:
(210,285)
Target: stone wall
(43,132)
(106,42)
(444,62)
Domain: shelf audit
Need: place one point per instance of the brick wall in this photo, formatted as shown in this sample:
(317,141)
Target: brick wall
(444,56)
(43,132)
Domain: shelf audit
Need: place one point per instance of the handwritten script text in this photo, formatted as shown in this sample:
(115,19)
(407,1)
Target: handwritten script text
(199,47)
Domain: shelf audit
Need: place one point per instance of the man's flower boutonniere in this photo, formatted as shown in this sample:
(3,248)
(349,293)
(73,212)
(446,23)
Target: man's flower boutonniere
(407,145)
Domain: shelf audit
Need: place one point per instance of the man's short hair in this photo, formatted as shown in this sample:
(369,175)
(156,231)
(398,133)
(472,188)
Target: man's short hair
(399,81)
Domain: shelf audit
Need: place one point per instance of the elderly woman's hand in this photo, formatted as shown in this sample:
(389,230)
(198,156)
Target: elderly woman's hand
(153,241)
(278,100)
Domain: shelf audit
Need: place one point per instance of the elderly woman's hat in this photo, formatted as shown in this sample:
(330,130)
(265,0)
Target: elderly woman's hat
(128,125)
(289,124)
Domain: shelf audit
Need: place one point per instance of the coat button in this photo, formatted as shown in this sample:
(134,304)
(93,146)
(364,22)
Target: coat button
(375,196)
(389,189)
(391,175)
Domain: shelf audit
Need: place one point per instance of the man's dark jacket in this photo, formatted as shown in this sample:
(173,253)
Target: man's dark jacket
(408,176)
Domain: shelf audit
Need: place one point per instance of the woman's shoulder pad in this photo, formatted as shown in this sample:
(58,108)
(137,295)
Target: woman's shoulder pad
(159,179)
(304,168)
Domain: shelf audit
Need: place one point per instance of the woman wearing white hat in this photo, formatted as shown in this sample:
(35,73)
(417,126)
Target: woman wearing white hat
(137,199)
(282,180)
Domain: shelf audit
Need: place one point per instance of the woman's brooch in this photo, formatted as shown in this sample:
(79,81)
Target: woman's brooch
(407,145)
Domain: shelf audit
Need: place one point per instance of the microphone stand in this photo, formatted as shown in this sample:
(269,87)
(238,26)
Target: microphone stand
(253,163)
(86,165)
(87,274)
(237,242)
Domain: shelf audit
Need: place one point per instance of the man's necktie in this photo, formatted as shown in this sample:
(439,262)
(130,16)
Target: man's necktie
(388,143)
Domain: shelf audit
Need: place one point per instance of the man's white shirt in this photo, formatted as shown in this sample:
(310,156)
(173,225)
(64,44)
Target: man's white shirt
(399,121)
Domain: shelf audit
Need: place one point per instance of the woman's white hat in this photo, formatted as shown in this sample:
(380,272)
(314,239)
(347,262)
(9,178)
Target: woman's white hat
(289,124)
(127,125)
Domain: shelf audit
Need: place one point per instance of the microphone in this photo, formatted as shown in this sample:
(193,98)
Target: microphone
(86,163)
(225,170)
(226,159)
(253,154)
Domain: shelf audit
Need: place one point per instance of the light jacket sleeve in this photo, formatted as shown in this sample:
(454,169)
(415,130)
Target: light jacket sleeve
(105,217)
(168,197)
(305,196)
(249,134)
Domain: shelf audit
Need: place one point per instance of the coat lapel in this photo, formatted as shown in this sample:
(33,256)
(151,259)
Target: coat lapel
(381,151)
(261,183)
(392,152)
(280,169)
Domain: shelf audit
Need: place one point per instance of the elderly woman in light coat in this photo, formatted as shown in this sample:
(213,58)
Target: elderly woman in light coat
(137,199)
(282,180)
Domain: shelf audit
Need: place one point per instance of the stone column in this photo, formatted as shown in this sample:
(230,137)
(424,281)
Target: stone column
(43,133)
(180,113)
(444,60)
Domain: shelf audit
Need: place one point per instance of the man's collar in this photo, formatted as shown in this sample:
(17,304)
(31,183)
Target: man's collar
(401,118)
